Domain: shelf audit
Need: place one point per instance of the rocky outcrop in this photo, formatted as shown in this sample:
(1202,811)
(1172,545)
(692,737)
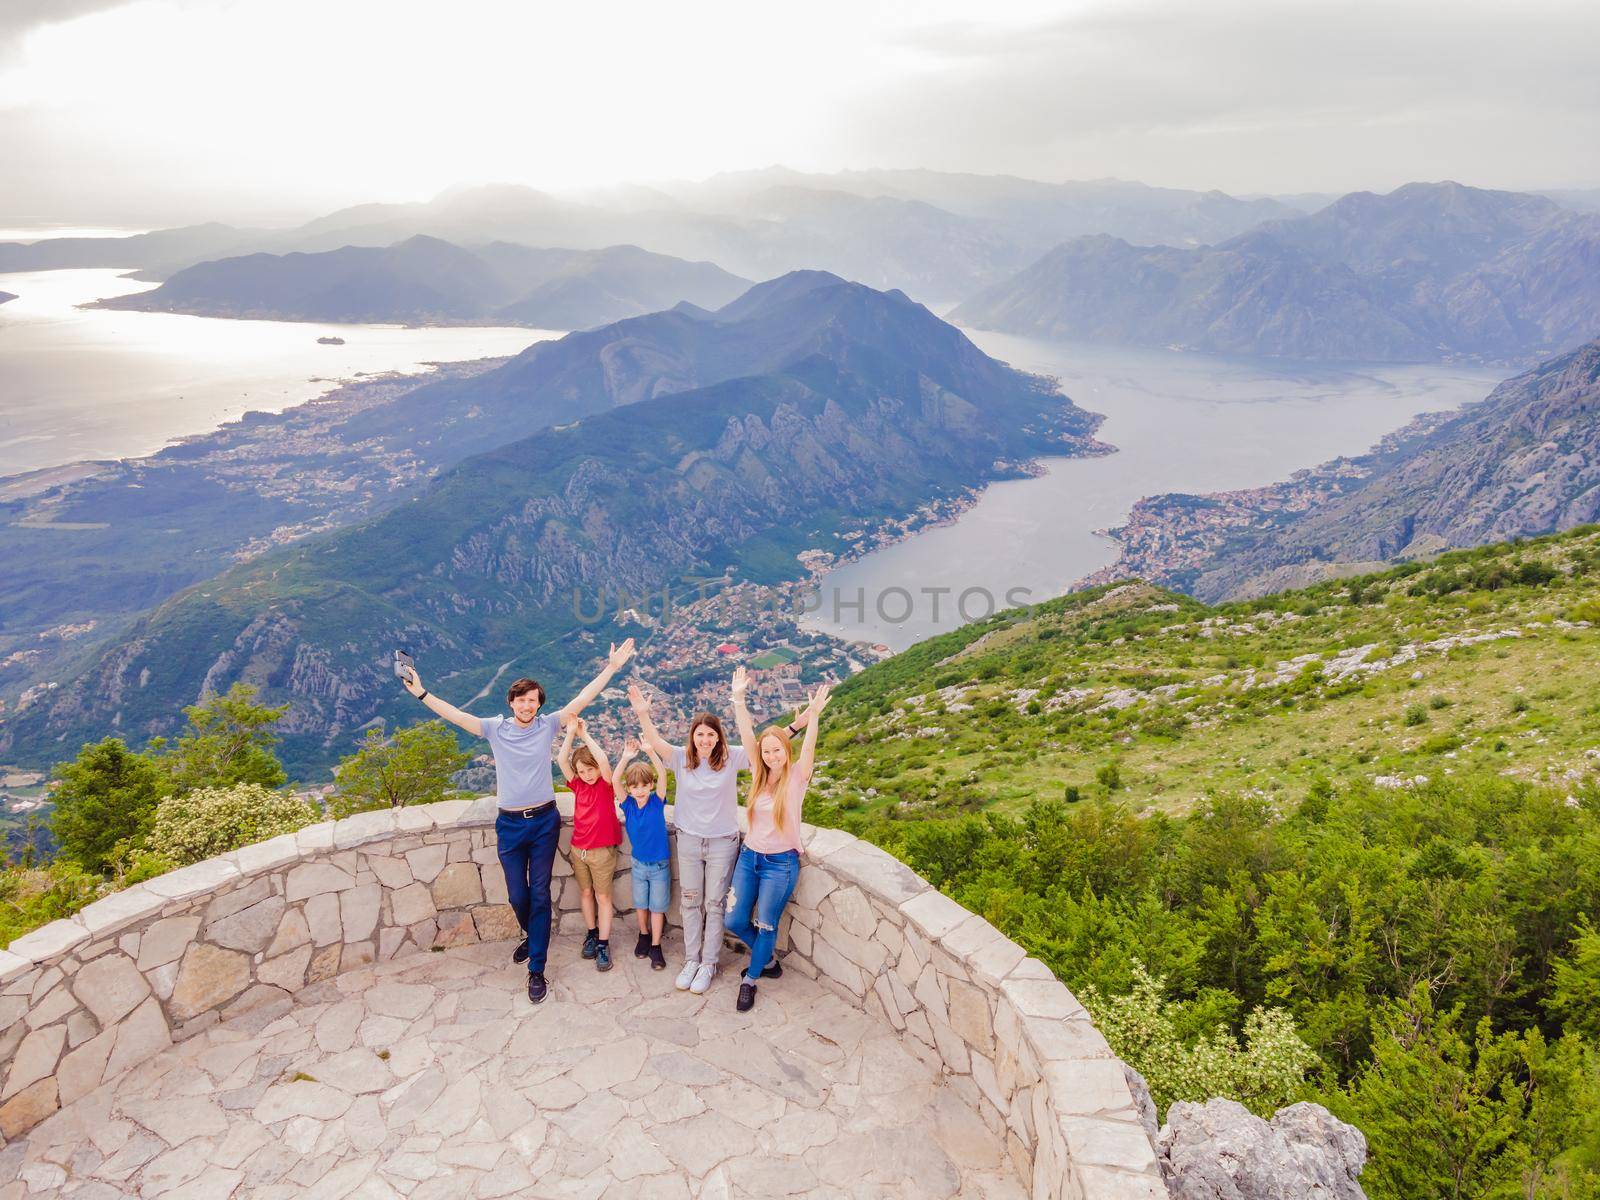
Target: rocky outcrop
(1220,1150)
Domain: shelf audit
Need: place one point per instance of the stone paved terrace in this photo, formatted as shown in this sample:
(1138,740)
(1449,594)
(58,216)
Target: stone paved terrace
(221,1031)
(433,1077)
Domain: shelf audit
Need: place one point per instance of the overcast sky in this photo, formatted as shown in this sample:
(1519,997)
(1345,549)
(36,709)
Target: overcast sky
(166,110)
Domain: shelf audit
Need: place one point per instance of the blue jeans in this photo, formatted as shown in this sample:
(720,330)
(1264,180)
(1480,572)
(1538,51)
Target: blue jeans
(652,885)
(762,885)
(527,847)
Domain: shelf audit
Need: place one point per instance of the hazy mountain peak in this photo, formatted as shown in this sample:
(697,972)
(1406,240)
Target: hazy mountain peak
(777,291)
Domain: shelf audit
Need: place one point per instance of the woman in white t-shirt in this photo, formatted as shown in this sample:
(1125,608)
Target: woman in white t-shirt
(706,817)
(769,865)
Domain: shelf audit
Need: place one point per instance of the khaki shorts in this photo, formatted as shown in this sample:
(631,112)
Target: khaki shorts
(595,868)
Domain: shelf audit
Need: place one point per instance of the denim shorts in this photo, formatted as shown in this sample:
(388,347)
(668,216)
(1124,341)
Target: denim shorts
(652,885)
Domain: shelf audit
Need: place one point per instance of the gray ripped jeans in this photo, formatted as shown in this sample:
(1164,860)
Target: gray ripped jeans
(705,872)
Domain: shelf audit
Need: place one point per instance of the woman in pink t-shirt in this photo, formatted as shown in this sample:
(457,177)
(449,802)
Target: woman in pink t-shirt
(769,864)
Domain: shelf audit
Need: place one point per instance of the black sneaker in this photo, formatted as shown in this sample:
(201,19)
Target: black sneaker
(658,960)
(642,948)
(591,941)
(537,988)
(747,997)
(602,956)
(520,954)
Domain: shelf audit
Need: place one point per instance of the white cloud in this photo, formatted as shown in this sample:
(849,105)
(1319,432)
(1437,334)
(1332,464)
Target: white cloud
(212,102)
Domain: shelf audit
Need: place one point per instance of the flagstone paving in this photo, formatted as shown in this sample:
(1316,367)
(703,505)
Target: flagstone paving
(432,1077)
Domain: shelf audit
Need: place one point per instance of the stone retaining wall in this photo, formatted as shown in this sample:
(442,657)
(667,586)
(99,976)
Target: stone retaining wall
(87,999)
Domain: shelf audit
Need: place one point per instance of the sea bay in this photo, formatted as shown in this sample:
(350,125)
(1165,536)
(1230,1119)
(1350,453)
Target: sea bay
(1181,422)
(82,383)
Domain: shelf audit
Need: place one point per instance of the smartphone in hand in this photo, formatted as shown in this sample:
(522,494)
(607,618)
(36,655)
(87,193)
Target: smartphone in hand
(404,668)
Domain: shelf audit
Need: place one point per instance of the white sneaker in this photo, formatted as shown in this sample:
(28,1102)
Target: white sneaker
(702,978)
(687,976)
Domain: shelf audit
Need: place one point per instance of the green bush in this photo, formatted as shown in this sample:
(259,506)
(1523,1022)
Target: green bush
(106,799)
(1263,1072)
(1416,714)
(31,897)
(412,767)
(211,821)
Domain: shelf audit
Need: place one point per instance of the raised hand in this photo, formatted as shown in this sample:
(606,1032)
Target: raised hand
(819,701)
(580,727)
(630,747)
(740,682)
(412,682)
(619,655)
(637,698)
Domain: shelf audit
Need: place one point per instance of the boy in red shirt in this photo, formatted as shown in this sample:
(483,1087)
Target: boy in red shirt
(596,834)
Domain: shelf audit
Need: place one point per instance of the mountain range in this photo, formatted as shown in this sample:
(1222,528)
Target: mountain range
(937,236)
(1427,272)
(424,280)
(1523,462)
(680,443)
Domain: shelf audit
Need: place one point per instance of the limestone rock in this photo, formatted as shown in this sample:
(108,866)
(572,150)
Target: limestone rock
(497,924)
(457,886)
(412,903)
(209,976)
(36,1058)
(315,878)
(287,971)
(141,1036)
(248,929)
(358,911)
(28,1107)
(165,941)
(1219,1150)
(110,987)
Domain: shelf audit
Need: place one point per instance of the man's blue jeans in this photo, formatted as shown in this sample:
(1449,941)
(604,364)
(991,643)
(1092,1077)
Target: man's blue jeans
(527,848)
(762,885)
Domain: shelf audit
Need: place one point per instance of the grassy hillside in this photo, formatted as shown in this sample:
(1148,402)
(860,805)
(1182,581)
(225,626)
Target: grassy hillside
(1341,844)
(1480,660)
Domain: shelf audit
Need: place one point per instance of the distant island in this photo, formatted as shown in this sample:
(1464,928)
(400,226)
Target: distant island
(5,296)
(330,341)
(428,281)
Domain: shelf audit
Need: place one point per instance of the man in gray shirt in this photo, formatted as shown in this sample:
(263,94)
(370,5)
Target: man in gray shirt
(528,826)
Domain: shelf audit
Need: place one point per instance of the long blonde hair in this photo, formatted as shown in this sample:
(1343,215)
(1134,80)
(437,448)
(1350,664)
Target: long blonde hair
(764,779)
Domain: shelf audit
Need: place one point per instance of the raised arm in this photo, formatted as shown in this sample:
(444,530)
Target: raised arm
(648,733)
(594,748)
(619,786)
(813,719)
(615,661)
(661,773)
(741,714)
(462,720)
(564,754)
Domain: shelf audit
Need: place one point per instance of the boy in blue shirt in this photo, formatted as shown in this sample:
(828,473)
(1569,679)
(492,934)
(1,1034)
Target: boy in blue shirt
(640,791)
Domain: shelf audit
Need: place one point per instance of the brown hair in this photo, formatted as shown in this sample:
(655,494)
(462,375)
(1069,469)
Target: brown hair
(762,779)
(522,687)
(639,772)
(719,752)
(584,755)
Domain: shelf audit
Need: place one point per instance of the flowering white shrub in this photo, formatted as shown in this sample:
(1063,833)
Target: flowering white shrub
(1263,1074)
(211,821)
